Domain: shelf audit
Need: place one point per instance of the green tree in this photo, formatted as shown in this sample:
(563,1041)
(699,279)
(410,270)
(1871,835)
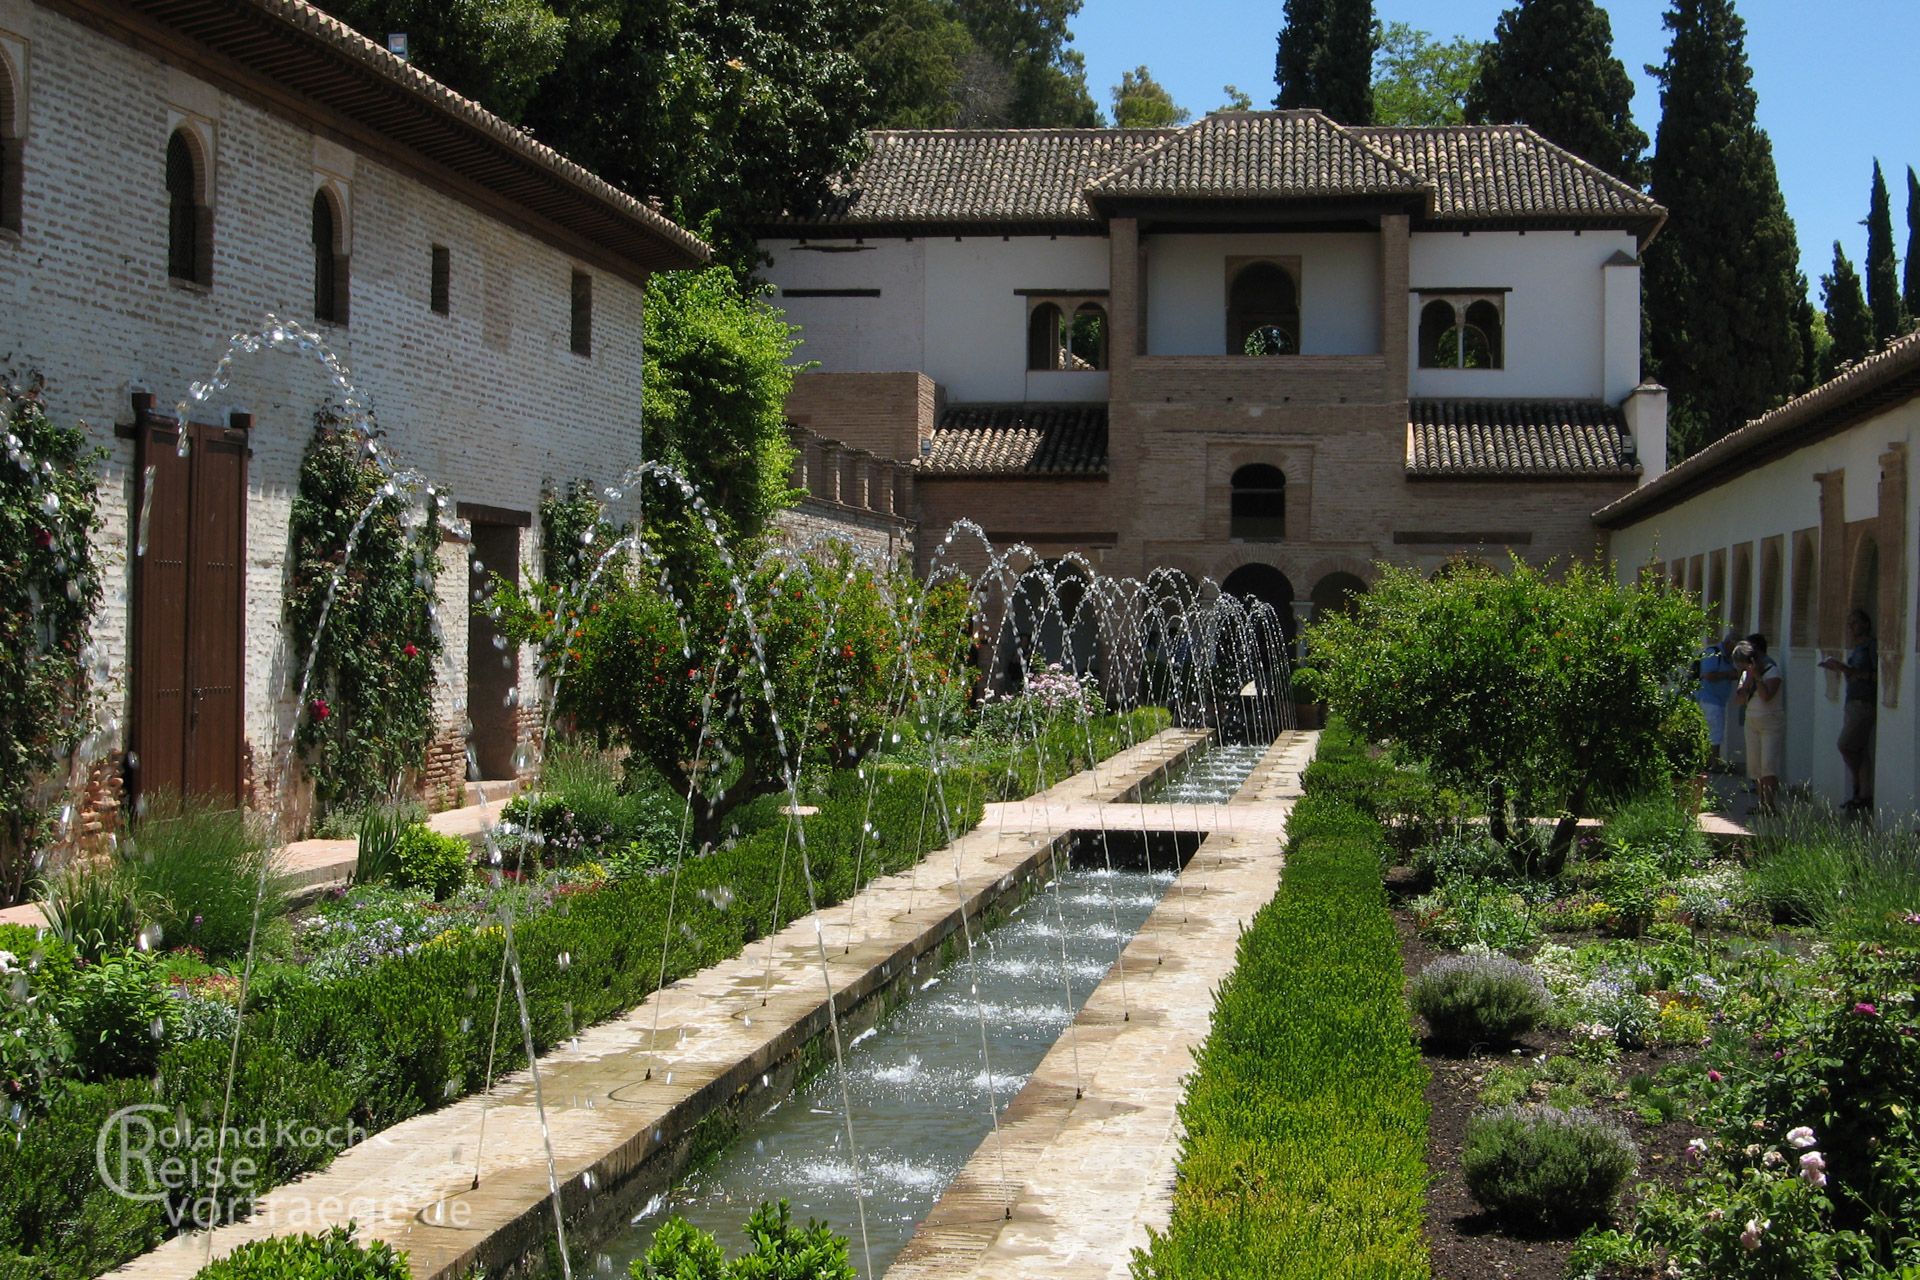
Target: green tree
(915,60)
(495,51)
(1418,80)
(1911,291)
(718,366)
(1811,327)
(1140,102)
(1849,319)
(1720,279)
(1236,99)
(1551,66)
(1548,695)
(1883,272)
(729,115)
(1045,82)
(1325,58)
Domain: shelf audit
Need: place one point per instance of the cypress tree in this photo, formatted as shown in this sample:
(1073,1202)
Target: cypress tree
(1721,277)
(1912,290)
(1883,273)
(1849,321)
(1551,66)
(1325,58)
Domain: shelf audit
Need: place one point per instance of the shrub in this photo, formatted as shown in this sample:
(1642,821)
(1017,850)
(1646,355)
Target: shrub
(377,855)
(1632,885)
(202,871)
(1478,999)
(1473,913)
(116,1012)
(333,1256)
(1657,828)
(94,907)
(781,1251)
(1848,878)
(1545,1167)
(427,860)
(1306,1122)
(1467,855)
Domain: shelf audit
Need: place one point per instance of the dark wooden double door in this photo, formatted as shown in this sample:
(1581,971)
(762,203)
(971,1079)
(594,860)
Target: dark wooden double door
(189,610)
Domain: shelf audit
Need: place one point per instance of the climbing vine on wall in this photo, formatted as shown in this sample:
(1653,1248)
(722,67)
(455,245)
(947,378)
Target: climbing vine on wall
(368,714)
(49,590)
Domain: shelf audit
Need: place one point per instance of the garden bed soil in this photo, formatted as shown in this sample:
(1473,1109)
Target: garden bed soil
(1465,1242)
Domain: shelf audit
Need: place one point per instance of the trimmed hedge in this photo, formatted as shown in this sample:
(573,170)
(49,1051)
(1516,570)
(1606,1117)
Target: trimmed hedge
(333,1256)
(1306,1125)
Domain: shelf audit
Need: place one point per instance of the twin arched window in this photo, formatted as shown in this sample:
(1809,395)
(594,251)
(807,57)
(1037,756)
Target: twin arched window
(1460,333)
(1259,511)
(1057,343)
(1263,311)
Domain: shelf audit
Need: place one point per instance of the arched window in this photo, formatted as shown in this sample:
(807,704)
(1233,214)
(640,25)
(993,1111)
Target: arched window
(1336,593)
(1263,311)
(1046,338)
(1806,588)
(1480,337)
(1459,333)
(1087,337)
(1259,504)
(1436,321)
(189,220)
(1740,592)
(329,260)
(12,149)
(1864,591)
(1769,619)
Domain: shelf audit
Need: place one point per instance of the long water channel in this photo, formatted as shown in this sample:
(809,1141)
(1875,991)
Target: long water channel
(918,1088)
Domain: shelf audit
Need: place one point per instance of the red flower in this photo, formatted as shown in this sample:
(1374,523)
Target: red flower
(411,652)
(44,537)
(320,708)
(1867,1010)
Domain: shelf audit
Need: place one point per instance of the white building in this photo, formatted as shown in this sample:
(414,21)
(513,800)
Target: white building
(1787,525)
(1263,347)
(174,172)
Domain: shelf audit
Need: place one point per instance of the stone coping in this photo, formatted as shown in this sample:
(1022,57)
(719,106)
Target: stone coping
(1082,1163)
(620,1104)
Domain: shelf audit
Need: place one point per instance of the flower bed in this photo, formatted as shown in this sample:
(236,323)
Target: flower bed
(1306,1128)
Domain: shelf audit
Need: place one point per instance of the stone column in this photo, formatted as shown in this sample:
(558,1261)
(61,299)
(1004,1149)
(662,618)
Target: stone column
(880,487)
(832,469)
(853,486)
(797,478)
(1394,302)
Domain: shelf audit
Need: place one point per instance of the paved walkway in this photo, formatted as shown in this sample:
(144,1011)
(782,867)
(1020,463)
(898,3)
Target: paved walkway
(617,1096)
(313,865)
(1084,1163)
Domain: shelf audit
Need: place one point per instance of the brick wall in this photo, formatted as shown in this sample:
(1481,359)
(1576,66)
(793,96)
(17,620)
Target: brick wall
(487,401)
(886,414)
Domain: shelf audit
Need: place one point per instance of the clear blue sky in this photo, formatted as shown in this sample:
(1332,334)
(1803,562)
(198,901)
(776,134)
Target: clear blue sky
(1836,80)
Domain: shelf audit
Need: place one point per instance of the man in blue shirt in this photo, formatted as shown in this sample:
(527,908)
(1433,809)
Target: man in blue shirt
(1717,677)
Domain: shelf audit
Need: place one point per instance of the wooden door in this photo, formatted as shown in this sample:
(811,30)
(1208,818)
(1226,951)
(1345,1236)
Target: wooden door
(493,669)
(189,616)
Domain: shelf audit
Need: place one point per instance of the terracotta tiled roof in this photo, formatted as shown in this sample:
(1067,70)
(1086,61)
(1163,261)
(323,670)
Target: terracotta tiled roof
(1868,387)
(1019,439)
(1260,155)
(1523,439)
(1005,179)
(990,176)
(315,56)
(1507,171)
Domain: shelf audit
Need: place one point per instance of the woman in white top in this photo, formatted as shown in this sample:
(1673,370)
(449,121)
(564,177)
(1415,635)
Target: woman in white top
(1759,692)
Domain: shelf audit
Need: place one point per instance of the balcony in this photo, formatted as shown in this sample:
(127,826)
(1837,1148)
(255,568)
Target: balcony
(1290,380)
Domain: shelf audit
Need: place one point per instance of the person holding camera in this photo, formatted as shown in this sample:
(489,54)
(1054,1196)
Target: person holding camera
(1761,695)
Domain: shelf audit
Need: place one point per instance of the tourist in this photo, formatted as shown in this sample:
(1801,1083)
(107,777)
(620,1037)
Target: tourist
(1861,669)
(1717,675)
(1760,694)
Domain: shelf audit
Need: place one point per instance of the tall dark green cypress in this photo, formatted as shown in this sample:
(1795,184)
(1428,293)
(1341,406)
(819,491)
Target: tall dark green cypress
(1912,282)
(1883,273)
(1849,321)
(1720,278)
(1325,58)
(1551,66)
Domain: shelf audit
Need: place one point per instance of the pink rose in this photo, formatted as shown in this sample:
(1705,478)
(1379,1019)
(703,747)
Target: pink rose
(1867,1009)
(1714,1077)
(320,709)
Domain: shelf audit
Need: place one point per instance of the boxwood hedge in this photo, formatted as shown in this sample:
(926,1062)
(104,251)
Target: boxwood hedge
(1306,1125)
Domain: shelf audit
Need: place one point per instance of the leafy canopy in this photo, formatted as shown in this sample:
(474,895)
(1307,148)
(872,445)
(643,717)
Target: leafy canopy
(1141,102)
(1883,271)
(1325,58)
(1551,66)
(1849,319)
(1546,693)
(1418,80)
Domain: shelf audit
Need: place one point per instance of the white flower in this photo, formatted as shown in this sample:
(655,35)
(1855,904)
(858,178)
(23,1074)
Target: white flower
(1813,1169)
(8,962)
(1696,1148)
(1750,1238)
(1801,1138)
(1773,1160)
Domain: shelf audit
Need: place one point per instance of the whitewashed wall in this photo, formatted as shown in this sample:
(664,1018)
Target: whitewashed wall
(487,401)
(947,308)
(1187,291)
(1783,497)
(1557,315)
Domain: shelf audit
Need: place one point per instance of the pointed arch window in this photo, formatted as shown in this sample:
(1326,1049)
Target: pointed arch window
(1259,511)
(329,259)
(189,219)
